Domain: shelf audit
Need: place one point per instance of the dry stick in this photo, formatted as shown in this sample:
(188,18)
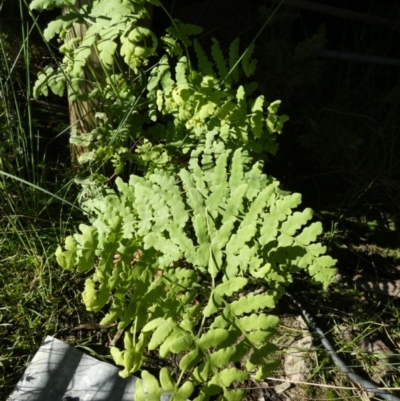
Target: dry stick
(335,357)
(117,336)
(94,326)
(50,105)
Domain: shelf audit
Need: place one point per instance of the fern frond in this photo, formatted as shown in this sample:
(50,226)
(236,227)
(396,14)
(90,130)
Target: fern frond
(182,31)
(233,60)
(219,59)
(249,65)
(203,63)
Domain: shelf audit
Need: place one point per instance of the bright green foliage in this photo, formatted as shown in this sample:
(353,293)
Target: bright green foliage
(149,389)
(201,96)
(106,21)
(113,30)
(50,79)
(172,254)
(177,252)
(46,4)
(207,99)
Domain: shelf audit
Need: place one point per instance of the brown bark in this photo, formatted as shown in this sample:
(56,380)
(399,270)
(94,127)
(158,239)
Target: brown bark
(82,113)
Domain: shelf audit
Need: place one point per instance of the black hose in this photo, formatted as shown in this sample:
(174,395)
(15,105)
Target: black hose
(339,363)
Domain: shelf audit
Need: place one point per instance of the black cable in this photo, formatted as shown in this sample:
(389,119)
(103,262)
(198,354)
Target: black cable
(339,363)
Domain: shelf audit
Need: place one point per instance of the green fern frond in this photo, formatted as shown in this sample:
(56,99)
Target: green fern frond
(219,59)
(182,31)
(233,60)
(249,65)
(177,251)
(230,221)
(203,63)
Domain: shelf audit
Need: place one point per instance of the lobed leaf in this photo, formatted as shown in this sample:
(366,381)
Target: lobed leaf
(68,258)
(233,60)
(258,322)
(219,58)
(150,387)
(190,360)
(228,376)
(166,380)
(259,337)
(184,392)
(236,177)
(309,234)
(159,335)
(252,303)
(203,62)
(41,5)
(201,373)
(266,370)
(165,346)
(213,337)
(183,343)
(214,302)
(249,65)
(227,355)
(231,286)
(234,395)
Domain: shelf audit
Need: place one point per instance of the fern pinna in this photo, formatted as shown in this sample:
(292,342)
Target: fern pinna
(193,265)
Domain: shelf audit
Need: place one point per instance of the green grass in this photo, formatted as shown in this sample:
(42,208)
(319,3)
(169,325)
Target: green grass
(33,299)
(37,298)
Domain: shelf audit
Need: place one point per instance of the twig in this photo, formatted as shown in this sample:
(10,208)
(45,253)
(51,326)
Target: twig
(94,326)
(51,105)
(116,338)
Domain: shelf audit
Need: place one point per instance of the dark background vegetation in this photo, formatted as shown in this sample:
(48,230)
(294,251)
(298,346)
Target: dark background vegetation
(340,149)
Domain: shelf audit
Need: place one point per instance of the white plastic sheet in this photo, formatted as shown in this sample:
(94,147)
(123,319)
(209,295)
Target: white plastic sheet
(60,372)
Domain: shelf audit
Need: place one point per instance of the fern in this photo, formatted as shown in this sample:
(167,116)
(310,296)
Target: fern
(219,59)
(200,97)
(249,64)
(204,63)
(46,4)
(233,60)
(182,32)
(231,228)
(202,101)
(137,43)
(177,252)
(52,79)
